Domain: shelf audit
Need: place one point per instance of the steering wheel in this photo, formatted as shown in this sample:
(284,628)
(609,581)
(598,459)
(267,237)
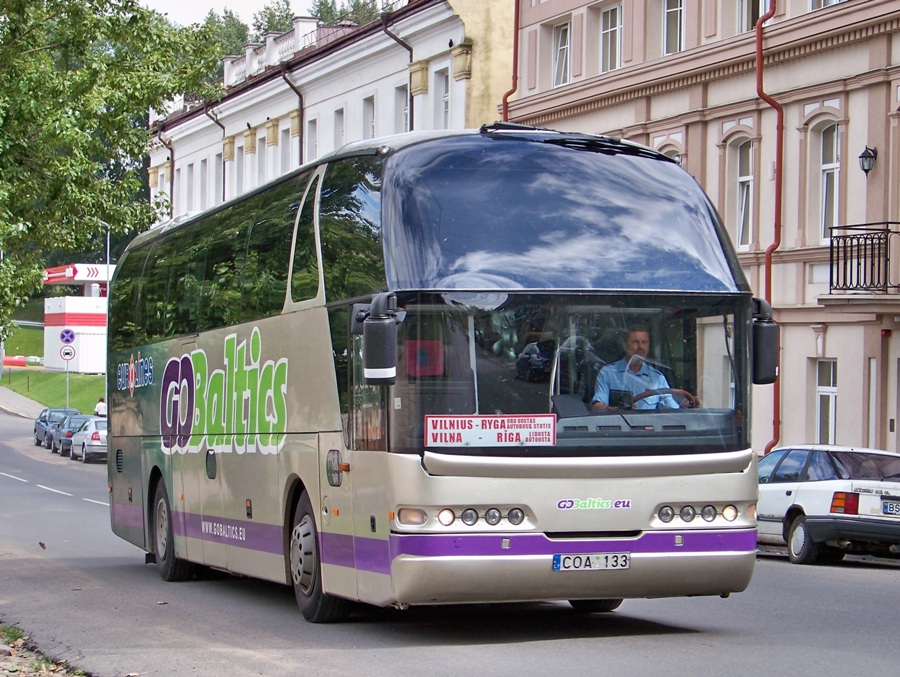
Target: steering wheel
(691,401)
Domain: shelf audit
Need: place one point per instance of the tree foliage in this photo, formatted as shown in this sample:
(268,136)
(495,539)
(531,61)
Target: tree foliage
(77,78)
(229,34)
(274,17)
(360,12)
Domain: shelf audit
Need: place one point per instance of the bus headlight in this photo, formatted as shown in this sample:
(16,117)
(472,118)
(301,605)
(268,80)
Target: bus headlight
(492,516)
(666,514)
(412,516)
(516,516)
(730,513)
(469,516)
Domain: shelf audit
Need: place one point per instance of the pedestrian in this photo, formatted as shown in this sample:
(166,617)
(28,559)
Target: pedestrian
(100,409)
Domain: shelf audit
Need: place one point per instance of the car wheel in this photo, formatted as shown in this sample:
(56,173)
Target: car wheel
(595,606)
(53,448)
(83,454)
(801,548)
(72,456)
(46,442)
(170,567)
(306,569)
(37,442)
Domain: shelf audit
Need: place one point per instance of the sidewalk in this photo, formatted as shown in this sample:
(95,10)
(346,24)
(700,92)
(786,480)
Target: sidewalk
(18,405)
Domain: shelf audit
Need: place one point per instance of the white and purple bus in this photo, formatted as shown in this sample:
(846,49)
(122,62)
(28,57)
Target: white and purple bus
(373,379)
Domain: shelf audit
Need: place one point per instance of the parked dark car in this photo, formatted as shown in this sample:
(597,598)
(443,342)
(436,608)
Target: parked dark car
(535,361)
(45,420)
(61,434)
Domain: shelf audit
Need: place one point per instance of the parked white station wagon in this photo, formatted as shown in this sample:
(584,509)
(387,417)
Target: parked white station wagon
(826,501)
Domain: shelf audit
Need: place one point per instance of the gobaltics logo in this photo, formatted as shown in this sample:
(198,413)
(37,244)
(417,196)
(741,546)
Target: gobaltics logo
(248,397)
(134,373)
(593,504)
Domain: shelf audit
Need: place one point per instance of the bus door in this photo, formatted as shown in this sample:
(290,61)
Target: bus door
(352,481)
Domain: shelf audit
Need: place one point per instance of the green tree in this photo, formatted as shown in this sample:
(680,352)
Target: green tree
(76,80)
(359,12)
(274,17)
(229,33)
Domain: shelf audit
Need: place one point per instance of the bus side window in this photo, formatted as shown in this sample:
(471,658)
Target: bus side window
(125,322)
(305,275)
(265,271)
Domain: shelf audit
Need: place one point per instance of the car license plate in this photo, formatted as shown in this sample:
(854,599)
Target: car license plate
(592,562)
(891,508)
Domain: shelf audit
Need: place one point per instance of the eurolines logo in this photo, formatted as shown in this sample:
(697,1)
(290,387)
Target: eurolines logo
(594,504)
(134,374)
(248,398)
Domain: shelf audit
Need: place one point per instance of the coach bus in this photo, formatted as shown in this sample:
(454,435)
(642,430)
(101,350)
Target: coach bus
(374,379)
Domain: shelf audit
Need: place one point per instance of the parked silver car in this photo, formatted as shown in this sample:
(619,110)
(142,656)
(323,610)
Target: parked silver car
(89,441)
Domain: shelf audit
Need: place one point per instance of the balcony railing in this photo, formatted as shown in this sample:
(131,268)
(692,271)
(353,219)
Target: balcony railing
(861,257)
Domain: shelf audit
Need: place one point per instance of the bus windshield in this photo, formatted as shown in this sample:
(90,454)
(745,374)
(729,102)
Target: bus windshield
(478,212)
(506,354)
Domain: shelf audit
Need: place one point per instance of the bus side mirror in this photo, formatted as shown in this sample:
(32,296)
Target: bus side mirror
(765,344)
(380,339)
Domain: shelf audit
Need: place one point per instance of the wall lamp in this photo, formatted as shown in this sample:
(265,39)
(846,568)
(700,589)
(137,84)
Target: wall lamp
(867,160)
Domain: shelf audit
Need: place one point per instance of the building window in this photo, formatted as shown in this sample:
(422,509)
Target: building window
(830,173)
(749,12)
(189,191)
(611,38)
(312,140)
(442,88)
(261,160)
(673,26)
(819,4)
(401,109)
(369,118)
(338,128)
(745,195)
(561,54)
(826,400)
(204,184)
(284,146)
(239,170)
(218,179)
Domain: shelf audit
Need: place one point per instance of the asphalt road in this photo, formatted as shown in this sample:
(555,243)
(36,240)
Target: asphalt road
(85,596)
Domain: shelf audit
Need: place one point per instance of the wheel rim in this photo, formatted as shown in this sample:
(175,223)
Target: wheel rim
(798,538)
(303,555)
(162,529)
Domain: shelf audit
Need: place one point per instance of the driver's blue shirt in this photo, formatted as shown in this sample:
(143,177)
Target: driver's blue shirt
(618,376)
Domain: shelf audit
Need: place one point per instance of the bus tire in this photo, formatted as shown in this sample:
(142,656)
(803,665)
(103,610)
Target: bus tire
(306,569)
(595,606)
(170,568)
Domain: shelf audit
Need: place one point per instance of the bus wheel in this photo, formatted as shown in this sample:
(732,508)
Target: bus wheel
(306,570)
(170,567)
(595,606)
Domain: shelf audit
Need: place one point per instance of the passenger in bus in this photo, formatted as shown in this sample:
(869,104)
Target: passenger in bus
(619,383)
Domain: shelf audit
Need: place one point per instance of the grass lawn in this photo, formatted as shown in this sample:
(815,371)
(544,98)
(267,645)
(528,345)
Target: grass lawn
(26,341)
(49,387)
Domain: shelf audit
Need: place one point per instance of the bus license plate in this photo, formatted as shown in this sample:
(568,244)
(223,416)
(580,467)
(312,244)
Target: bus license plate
(592,562)
(891,508)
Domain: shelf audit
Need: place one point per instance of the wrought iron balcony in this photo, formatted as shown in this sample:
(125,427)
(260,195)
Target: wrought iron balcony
(861,257)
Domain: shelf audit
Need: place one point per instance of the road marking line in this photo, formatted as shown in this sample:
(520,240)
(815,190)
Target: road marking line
(55,491)
(13,477)
(90,500)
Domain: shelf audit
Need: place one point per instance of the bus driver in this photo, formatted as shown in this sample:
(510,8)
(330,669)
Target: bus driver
(620,382)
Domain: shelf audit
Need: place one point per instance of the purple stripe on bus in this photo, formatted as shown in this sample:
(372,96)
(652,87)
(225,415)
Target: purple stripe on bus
(336,549)
(125,515)
(239,533)
(538,544)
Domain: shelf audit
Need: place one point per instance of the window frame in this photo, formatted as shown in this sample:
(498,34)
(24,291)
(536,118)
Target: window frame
(827,394)
(829,182)
(745,233)
(608,33)
(561,54)
(672,8)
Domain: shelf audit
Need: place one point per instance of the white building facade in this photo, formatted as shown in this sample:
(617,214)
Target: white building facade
(427,65)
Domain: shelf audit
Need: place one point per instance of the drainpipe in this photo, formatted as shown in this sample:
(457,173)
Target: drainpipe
(385,20)
(171,149)
(776,243)
(216,120)
(300,106)
(515,73)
